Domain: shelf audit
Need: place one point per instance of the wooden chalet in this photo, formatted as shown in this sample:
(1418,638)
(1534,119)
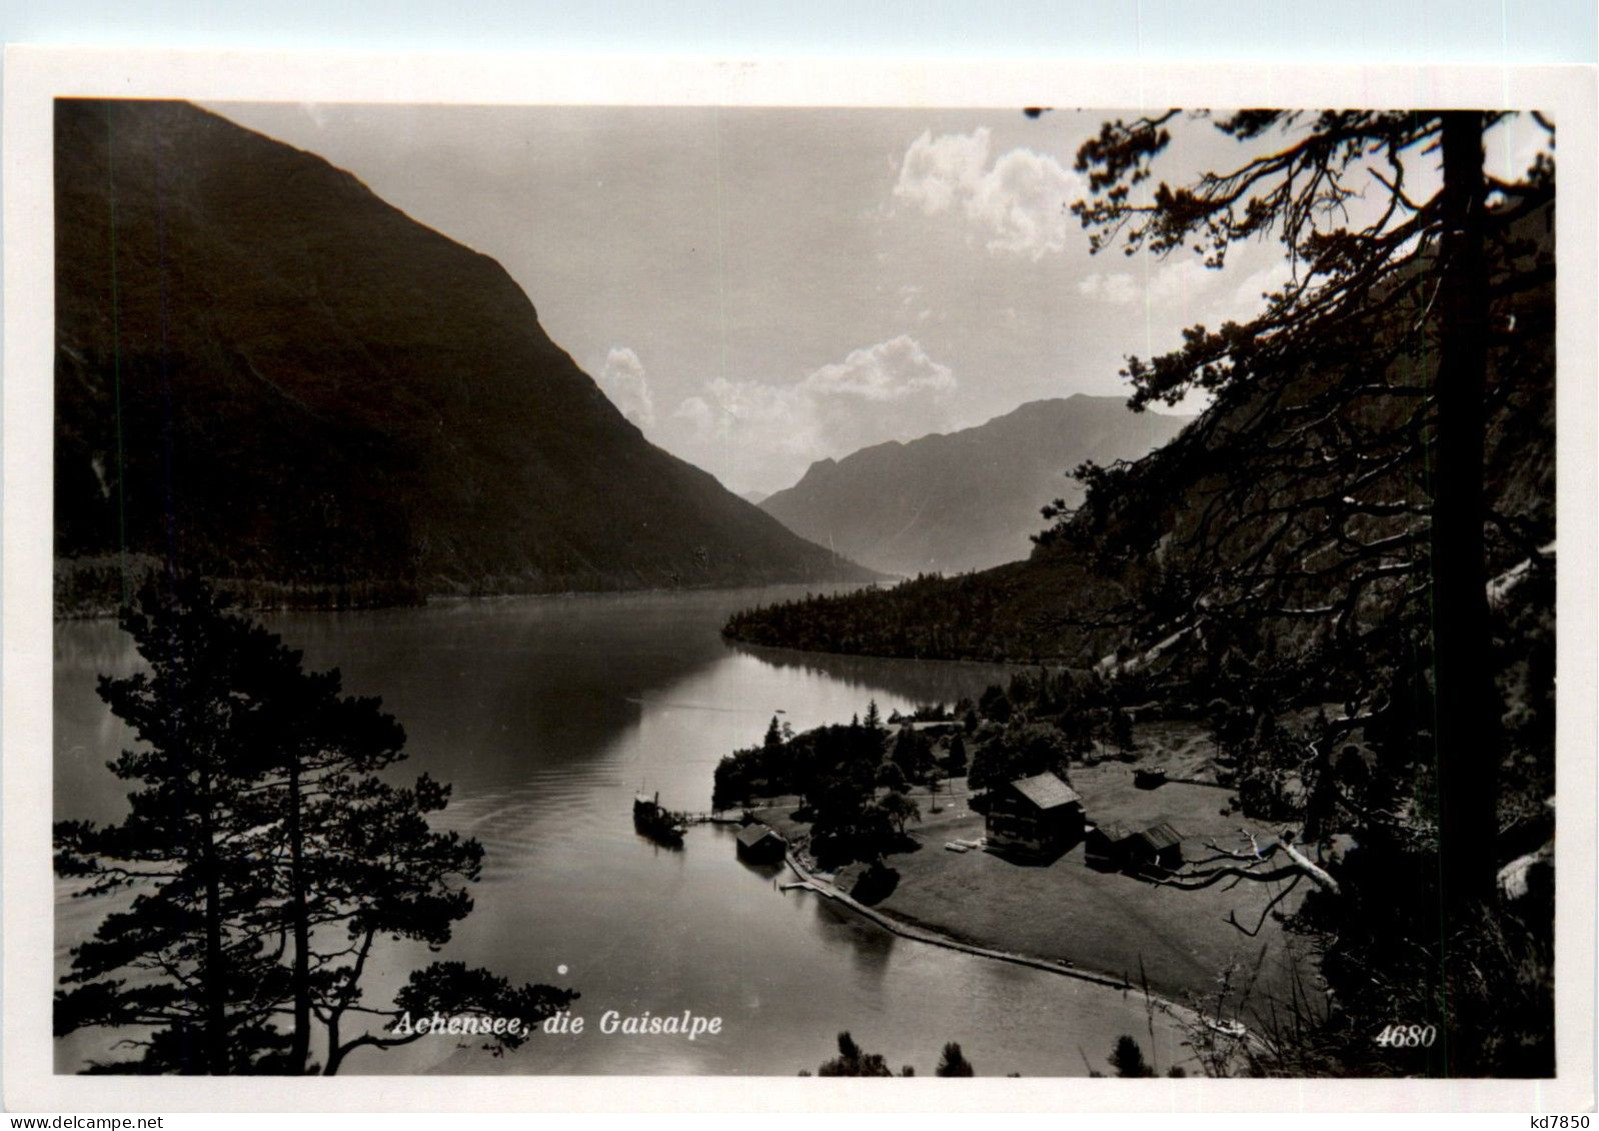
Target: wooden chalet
(1040,816)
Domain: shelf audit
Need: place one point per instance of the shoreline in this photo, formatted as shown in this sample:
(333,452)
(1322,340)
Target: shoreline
(1101,927)
(445,597)
(757,650)
(808,881)
(1186,1019)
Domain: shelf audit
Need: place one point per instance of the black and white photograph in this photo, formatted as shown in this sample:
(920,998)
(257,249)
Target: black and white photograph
(594,588)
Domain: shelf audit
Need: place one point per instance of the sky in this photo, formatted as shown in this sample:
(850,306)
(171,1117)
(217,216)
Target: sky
(760,288)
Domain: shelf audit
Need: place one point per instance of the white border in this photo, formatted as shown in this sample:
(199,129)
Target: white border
(34,76)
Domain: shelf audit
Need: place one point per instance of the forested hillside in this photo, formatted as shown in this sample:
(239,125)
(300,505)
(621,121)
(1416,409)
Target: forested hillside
(268,376)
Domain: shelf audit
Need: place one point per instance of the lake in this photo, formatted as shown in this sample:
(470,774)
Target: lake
(547,714)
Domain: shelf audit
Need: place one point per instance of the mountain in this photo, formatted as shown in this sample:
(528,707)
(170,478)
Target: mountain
(1135,570)
(268,374)
(756,497)
(965,500)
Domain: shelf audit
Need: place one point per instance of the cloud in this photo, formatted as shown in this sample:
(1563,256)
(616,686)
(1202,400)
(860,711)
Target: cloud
(622,379)
(891,390)
(1181,280)
(937,173)
(1268,280)
(889,371)
(1019,202)
(1118,288)
(1175,283)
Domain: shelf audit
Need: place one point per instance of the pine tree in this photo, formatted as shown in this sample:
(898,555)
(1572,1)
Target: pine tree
(186,961)
(1127,1059)
(1362,488)
(874,718)
(262,830)
(953,1062)
(1337,535)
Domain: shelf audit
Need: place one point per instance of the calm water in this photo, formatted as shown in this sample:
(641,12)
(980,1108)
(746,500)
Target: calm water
(547,715)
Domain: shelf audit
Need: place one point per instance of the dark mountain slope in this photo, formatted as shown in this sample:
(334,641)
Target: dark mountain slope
(271,375)
(964,500)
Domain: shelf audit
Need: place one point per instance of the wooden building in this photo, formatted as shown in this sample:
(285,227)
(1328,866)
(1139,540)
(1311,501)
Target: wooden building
(1159,848)
(1040,816)
(1105,846)
(758,844)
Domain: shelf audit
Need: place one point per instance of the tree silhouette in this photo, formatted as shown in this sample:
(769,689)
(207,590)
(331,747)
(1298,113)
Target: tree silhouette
(953,1062)
(266,856)
(1345,504)
(1127,1059)
(956,762)
(912,752)
(853,1061)
(186,962)
(1343,462)
(899,810)
(874,718)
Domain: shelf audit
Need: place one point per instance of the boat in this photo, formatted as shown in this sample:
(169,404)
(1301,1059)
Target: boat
(656,822)
(1226,1028)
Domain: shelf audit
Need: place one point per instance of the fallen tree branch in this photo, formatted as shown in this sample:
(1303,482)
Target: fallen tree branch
(1232,916)
(1195,877)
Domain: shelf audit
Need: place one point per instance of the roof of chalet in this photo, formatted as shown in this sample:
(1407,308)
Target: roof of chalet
(1159,836)
(1047,791)
(1113,831)
(751,835)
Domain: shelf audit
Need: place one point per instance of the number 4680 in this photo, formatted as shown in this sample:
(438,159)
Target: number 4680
(1407,1036)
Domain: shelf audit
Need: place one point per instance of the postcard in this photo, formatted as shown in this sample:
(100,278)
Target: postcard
(720,574)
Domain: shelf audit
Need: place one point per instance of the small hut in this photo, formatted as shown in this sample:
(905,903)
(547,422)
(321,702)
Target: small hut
(758,844)
(1105,846)
(1151,777)
(1159,848)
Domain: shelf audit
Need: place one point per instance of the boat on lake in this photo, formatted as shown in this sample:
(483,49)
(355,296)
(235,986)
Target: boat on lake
(656,822)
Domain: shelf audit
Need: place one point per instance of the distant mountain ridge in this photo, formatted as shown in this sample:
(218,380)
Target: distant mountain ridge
(1113,584)
(966,500)
(272,377)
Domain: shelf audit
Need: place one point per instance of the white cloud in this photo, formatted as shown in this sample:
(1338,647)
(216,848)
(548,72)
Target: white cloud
(1269,279)
(889,371)
(1019,201)
(1181,280)
(1199,292)
(622,379)
(889,391)
(936,173)
(1118,288)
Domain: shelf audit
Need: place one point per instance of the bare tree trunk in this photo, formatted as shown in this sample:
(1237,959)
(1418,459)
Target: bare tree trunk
(1468,731)
(216,980)
(300,1048)
(335,1050)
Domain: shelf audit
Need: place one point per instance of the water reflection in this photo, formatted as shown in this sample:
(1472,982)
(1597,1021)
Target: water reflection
(547,715)
(920,681)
